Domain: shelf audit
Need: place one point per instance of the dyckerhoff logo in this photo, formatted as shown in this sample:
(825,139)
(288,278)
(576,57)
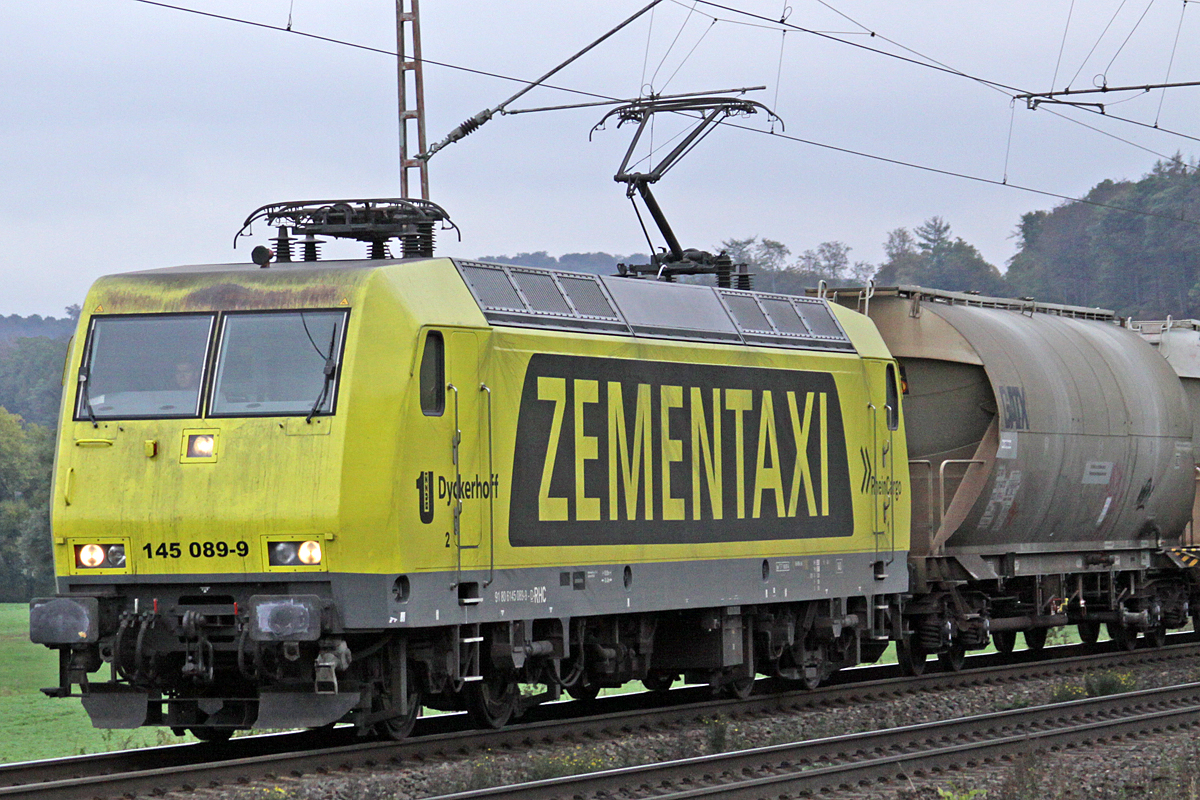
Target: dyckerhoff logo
(451,489)
(425,496)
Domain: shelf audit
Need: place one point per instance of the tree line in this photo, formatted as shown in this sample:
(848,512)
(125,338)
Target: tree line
(1132,246)
(32,354)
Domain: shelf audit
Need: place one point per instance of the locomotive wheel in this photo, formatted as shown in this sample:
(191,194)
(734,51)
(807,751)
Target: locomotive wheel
(657,681)
(952,660)
(1089,631)
(206,734)
(1004,641)
(911,656)
(1124,636)
(492,701)
(1156,636)
(400,727)
(1035,639)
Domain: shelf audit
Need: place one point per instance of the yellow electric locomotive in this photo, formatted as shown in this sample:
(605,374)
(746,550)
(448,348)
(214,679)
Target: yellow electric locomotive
(304,492)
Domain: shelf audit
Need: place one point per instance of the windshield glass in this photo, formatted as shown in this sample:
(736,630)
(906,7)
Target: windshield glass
(144,367)
(278,363)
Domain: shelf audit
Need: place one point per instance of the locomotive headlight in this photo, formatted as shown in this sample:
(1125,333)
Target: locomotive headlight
(310,553)
(283,554)
(294,554)
(92,556)
(116,556)
(200,445)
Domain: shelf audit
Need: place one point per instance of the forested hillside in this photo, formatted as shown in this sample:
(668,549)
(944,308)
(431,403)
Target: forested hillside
(15,326)
(1145,265)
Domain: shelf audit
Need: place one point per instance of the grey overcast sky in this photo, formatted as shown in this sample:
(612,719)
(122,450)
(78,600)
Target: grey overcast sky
(134,136)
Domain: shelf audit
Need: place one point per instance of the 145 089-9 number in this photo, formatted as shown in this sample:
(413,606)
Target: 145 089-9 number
(197,550)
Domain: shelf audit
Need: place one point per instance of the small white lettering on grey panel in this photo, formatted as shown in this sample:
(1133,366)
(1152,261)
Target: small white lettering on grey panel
(1098,472)
(1008,446)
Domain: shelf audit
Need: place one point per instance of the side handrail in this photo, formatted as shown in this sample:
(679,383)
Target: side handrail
(924,462)
(454,443)
(874,497)
(942,481)
(483,387)
(891,520)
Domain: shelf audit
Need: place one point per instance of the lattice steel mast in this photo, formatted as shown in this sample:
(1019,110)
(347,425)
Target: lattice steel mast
(408,31)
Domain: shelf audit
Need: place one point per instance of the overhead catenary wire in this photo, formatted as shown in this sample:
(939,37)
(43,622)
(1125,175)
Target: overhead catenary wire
(1111,135)
(929,63)
(1129,36)
(775,24)
(1009,91)
(687,57)
(1099,39)
(472,124)
(1063,44)
(963,175)
(671,46)
(1170,62)
(368,48)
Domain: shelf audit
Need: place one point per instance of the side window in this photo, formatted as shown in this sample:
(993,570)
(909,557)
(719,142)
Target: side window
(893,399)
(433,375)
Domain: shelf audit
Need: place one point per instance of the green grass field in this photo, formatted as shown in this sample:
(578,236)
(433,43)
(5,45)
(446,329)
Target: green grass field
(36,726)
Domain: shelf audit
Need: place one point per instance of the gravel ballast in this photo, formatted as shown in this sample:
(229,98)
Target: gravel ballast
(1151,766)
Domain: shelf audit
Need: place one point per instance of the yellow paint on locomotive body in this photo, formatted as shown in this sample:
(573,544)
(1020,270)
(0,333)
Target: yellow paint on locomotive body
(668,445)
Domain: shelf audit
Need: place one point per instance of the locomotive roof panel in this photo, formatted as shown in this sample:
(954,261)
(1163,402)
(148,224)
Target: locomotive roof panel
(542,298)
(213,287)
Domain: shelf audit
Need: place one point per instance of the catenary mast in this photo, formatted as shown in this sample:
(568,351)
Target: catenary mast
(412,104)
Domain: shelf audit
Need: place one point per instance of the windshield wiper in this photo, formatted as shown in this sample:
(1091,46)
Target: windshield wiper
(87,401)
(330,370)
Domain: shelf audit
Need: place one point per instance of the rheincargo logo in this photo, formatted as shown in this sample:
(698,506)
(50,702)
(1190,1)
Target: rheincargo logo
(615,451)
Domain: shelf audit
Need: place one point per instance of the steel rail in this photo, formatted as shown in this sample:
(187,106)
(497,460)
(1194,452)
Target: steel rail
(875,756)
(308,752)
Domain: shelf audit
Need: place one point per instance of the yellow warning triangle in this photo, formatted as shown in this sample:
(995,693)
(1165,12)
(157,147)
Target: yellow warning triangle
(344,302)
(99,310)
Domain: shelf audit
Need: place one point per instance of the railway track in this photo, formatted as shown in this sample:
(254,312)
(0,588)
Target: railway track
(877,756)
(192,766)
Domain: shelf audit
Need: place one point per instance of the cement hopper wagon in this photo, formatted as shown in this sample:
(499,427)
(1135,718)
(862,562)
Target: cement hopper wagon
(1178,341)
(1051,464)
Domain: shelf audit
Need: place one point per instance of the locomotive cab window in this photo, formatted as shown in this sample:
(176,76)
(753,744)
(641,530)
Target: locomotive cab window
(433,375)
(144,366)
(278,364)
(892,399)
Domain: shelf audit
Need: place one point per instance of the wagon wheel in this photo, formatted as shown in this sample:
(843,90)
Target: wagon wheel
(1124,636)
(739,688)
(1089,631)
(1004,641)
(659,681)
(1157,636)
(208,734)
(952,660)
(1035,639)
(584,689)
(911,656)
(492,701)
